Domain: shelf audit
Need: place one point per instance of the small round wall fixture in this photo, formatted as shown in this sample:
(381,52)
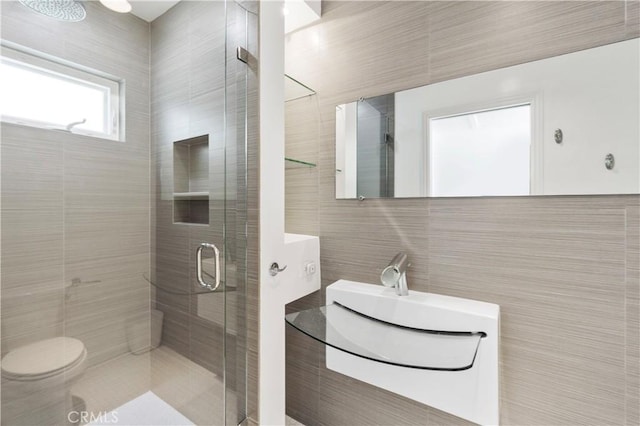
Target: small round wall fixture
(609,161)
(558,136)
(63,10)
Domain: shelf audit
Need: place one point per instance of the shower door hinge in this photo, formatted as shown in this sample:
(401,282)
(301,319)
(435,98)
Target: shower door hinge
(242,54)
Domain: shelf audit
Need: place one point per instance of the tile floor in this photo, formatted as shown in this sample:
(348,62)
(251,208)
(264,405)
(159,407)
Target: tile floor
(159,388)
(114,383)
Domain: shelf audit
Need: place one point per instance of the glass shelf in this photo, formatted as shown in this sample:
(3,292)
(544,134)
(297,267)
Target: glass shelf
(360,335)
(292,163)
(293,89)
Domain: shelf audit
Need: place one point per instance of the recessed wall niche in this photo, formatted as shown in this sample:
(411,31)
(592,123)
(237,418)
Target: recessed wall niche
(191,180)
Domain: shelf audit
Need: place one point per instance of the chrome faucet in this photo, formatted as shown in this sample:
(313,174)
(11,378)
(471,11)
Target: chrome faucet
(394,275)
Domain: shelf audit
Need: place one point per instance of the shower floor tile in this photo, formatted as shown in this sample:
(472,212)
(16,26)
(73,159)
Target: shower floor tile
(146,410)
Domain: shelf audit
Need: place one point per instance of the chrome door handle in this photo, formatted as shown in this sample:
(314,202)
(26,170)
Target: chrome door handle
(275,269)
(201,280)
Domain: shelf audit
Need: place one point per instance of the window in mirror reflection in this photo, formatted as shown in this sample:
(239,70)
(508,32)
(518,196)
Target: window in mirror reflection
(480,153)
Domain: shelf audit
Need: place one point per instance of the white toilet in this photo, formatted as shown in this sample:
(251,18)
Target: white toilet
(37,379)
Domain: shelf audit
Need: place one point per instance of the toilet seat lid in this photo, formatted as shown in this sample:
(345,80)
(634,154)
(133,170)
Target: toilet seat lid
(43,357)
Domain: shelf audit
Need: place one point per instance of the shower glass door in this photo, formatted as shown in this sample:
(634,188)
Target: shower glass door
(103,318)
(199,104)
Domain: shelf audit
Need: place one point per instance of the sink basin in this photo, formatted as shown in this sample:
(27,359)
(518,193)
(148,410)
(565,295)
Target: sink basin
(439,350)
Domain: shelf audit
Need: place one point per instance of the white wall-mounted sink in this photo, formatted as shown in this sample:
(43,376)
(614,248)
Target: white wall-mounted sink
(439,350)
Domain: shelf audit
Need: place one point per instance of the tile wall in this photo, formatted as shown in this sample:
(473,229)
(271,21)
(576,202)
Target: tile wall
(80,207)
(563,269)
(76,206)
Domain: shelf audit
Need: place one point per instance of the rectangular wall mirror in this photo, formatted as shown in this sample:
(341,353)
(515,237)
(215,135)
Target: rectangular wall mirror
(566,125)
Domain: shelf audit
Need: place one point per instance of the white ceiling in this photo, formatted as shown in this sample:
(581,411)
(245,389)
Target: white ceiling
(300,12)
(151,9)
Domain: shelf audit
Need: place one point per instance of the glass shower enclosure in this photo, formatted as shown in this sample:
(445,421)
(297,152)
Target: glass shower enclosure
(123,256)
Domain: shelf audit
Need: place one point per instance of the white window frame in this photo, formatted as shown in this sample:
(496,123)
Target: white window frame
(82,76)
(535,102)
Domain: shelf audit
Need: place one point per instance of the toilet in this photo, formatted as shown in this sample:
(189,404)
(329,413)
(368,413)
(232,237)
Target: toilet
(37,379)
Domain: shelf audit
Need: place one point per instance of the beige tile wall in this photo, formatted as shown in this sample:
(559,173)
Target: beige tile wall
(65,193)
(76,206)
(563,269)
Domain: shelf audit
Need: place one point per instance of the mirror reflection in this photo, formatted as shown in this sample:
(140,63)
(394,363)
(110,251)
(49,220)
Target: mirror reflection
(563,125)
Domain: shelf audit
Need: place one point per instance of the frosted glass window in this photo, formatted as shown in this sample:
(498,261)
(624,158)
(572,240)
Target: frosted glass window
(481,153)
(51,95)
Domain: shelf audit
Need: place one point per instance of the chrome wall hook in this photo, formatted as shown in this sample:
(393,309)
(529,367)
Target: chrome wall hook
(609,161)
